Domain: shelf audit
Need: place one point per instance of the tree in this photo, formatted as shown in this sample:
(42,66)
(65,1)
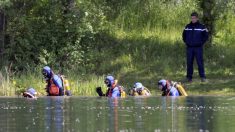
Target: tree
(212,11)
(208,16)
(2,34)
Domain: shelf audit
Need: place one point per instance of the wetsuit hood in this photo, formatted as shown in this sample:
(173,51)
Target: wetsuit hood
(46,71)
(109,80)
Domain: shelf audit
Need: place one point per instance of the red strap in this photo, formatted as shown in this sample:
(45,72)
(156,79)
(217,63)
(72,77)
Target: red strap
(168,86)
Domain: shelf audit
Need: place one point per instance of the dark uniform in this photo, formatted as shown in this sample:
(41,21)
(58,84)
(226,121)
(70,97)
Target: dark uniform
(195,35)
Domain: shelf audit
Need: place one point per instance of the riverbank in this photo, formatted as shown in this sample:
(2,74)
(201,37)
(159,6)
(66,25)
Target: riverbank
(85,85)
(135,58)
(215,87)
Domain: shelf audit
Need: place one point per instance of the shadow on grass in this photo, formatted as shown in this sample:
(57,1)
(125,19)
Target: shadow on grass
(148,60)
(216,86)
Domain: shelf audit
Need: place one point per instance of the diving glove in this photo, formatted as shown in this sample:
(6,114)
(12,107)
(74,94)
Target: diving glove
(99,91)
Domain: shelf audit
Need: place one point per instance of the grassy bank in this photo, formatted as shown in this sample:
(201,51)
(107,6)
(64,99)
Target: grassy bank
(145,57)
(142,59)
(85,86)
(134,40)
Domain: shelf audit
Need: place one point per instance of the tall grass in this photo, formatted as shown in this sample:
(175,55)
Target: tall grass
(85,86)
(6,84)
(11,86)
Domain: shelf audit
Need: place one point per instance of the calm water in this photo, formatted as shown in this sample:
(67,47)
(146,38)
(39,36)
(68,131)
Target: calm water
(91,114)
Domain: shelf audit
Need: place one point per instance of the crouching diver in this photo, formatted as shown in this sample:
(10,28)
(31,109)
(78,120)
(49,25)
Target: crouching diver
(30,93)
(56,84)
(170,88)
(113,89)
(139,90)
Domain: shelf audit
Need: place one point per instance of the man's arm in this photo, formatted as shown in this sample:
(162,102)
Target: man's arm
(184,35)
(99,91)
(205,34)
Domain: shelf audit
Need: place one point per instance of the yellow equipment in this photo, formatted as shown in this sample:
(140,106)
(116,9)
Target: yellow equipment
(144,92)
(123,94)
(180,88)
(65,83)
(121,89)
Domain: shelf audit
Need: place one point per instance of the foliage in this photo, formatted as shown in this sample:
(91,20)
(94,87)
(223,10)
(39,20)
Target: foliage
(134,40)
(58,33)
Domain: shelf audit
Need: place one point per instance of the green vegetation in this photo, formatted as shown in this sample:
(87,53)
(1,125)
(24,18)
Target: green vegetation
(134,40)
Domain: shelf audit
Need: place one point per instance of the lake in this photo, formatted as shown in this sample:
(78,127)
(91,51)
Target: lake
(95,114)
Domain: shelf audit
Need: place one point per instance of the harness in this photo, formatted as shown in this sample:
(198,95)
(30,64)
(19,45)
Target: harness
(120,88)
(145,91)
(168,85)
(53,89)
(178,87)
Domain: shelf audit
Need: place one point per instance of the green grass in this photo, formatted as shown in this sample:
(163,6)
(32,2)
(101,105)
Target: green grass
(6,85)
(143,58)
(85,86)
(133,59)
(143,43)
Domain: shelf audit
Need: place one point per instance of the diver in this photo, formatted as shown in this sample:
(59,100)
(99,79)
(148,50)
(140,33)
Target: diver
(113,89)
(170,88)
(167,89)
(30,93)
(55,83)
(139,90)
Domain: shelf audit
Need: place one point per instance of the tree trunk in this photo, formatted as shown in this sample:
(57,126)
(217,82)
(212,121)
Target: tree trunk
(209,17)
(2,35)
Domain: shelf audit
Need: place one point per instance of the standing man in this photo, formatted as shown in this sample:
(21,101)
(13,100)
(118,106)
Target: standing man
(195,35)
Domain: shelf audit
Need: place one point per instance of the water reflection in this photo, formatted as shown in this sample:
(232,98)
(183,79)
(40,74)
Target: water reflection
(139,103)
(113,114)
(54,114)
(170,118)
(158,114)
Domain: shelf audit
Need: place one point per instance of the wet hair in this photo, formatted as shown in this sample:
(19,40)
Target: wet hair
(194,14)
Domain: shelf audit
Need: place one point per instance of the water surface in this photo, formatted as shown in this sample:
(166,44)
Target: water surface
(92,114)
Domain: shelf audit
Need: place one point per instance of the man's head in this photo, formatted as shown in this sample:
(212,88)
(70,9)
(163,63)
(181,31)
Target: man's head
(109,81)
(46,71)
(138,86)
(162,85)
(194,17)
(30,93)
